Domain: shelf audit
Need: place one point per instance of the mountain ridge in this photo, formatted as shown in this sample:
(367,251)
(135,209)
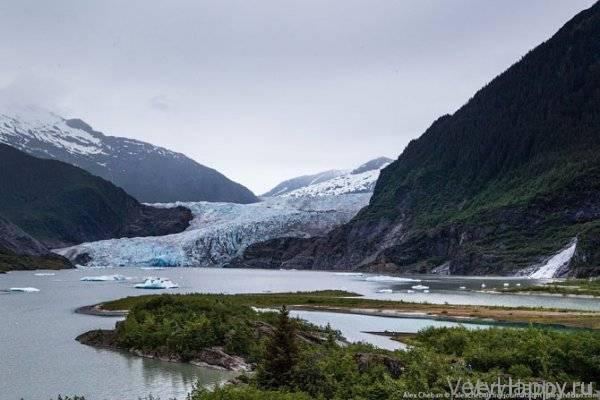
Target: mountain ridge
(147,172)
(333,182)
(59,204)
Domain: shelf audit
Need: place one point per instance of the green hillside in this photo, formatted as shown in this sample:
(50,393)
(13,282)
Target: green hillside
(59,204)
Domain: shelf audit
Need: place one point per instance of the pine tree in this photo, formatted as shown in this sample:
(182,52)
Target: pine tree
(281,353)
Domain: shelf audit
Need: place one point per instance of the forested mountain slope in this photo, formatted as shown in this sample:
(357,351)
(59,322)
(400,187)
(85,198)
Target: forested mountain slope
(59,204)
(505,182)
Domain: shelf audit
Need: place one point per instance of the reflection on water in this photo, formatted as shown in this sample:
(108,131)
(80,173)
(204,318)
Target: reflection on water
(38,329)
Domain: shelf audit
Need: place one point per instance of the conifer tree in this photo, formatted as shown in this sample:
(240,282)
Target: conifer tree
(281,353)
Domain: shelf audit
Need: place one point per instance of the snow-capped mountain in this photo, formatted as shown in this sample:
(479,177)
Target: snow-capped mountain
(359,180)
(148,172)
(302,181)
(221,231)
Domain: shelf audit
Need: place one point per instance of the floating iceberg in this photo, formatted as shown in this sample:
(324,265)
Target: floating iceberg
(152,268)
(157,283)
(420,287)
(386,278)
(410,291)
(385,291)
(462,288)
(24,289)
(104,278)
(44,274)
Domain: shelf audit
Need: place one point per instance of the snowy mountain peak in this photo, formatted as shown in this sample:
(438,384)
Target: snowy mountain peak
(149,173)
(359,180)
(35,128)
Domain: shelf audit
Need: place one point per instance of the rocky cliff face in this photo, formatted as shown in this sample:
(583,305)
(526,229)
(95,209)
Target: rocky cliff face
(18,251)
(503,184)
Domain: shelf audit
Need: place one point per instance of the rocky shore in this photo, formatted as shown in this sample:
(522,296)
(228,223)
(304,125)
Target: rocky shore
(212,357)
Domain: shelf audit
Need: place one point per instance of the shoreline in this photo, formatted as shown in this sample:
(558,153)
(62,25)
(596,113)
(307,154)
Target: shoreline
(390,313)
(567,319)
(540,293)
(98,311)
(212,357)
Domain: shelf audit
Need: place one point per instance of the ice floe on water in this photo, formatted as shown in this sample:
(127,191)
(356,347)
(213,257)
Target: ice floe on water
(157,283)
(387,278)
(104,278)
(24,289)
(420,287)
(349,273)
(44,274)
(385,291)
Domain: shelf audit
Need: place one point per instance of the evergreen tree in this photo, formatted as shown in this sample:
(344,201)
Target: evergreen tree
(281,353)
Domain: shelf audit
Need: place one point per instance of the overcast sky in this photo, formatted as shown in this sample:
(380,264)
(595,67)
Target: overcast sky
(266,90)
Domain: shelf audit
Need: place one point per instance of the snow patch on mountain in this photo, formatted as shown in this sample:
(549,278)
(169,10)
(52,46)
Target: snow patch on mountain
(333,182)
(145,171)
(221,231)
(29,126)
(349,183)
(302,181)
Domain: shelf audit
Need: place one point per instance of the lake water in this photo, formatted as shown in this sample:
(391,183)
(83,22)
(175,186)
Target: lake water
(39,357)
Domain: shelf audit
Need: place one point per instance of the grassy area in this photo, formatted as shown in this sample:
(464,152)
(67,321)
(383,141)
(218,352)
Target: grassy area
(583,287)
(333,300)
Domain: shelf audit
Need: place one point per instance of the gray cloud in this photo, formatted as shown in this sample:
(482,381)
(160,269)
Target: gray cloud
(160,102)
(271,89)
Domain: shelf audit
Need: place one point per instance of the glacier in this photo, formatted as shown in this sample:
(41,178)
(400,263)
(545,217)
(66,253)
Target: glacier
(221,231)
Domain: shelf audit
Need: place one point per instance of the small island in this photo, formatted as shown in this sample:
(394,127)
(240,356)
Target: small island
(282,358)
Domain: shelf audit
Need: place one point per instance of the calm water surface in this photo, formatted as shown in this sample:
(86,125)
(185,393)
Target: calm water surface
(39,357)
